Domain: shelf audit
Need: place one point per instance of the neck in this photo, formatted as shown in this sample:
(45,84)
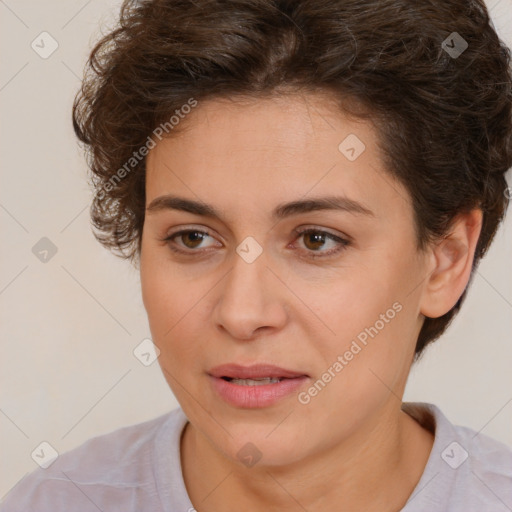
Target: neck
(376,469)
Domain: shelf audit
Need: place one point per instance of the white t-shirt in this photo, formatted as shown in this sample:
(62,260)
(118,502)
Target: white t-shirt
(137,468)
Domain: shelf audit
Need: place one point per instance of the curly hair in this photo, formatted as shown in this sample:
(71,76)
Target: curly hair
(433,76)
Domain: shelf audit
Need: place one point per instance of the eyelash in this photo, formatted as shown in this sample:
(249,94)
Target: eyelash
(343,243)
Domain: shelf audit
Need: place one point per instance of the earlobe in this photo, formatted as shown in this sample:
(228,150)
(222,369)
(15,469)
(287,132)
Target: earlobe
(451,262)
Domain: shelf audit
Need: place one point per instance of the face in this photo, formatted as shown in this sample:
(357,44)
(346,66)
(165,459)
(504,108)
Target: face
(328,291)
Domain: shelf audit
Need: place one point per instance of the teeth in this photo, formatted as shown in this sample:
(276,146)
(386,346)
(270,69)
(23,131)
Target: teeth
(257,382)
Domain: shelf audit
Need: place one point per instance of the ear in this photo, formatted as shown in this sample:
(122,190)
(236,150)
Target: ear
(450,263)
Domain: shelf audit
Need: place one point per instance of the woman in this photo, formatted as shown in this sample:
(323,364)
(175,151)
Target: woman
(307,188)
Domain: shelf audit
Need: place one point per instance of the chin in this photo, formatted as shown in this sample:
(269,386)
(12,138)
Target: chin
(260,450)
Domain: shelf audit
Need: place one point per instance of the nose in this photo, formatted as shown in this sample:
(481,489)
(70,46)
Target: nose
(251,300)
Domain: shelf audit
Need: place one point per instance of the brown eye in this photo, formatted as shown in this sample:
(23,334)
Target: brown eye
(315,239)
(189,239)
(189,242)
(192,239)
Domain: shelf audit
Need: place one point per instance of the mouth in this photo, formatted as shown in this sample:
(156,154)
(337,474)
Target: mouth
(255,386)
(253,382)
(254,375)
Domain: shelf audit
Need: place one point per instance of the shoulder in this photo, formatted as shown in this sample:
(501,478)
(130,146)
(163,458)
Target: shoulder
(467,471)
(489,466)
(114,468)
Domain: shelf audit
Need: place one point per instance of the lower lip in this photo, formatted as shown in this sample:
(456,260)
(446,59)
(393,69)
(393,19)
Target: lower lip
(262,395)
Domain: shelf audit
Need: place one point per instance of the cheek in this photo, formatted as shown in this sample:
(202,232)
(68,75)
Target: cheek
(367,376)
(162,297)
(172,309)
(347,305)
(372,323)
(156,294)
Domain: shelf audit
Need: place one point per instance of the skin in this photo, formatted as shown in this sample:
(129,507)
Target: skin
(351,447)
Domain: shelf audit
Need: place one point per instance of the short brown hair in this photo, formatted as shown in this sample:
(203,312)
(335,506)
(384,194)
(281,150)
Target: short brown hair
(444,118)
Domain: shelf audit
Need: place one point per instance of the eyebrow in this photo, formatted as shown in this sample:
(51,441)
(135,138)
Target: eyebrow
(283,210)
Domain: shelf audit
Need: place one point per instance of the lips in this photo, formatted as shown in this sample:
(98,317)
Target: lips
(256,386)
(257,371)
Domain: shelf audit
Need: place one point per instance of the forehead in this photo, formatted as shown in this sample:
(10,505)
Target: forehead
(279,127)
(266,151)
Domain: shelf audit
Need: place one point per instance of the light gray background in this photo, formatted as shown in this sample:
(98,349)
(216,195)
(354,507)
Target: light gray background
(70,325)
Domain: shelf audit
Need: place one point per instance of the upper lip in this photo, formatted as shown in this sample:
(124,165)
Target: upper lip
(256,371)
